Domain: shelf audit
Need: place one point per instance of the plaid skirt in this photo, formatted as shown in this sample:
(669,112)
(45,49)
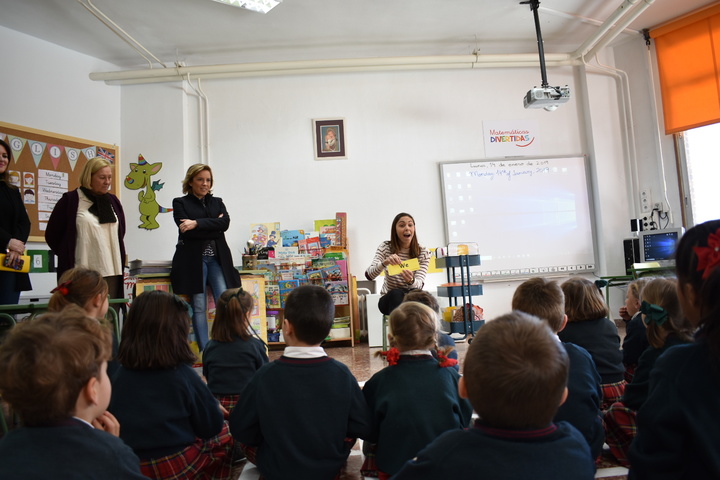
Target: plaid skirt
(204,460)
(629,372)
(620,430)
(228,401)
(612,392)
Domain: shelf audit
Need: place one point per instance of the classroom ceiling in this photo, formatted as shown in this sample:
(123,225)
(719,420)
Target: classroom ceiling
(204,32)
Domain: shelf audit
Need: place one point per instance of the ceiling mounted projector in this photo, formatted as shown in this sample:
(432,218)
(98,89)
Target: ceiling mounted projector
(546,97)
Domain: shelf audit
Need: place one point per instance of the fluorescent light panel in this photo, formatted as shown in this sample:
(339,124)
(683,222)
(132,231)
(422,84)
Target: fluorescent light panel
(262,6)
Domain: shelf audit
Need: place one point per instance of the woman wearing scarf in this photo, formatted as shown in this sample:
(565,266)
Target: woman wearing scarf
(87,227)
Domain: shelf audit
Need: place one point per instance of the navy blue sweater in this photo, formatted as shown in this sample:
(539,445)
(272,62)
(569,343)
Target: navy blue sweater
(600,338)
(229,366)
(678,433)
(298,412)
(635,341)
(556,452)
(582,407)
(163,411)
(413,402)
(69,450)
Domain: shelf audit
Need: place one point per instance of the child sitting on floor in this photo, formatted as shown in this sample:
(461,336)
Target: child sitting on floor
(233,355)
(515,375)
(87,289)
(445,343)
(545,298)
(414,399)
(300,415)
(589,327)
(169,416)
(635,341)
(53,372)
(666,326)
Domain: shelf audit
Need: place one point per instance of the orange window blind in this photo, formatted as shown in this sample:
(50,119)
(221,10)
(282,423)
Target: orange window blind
(688,55)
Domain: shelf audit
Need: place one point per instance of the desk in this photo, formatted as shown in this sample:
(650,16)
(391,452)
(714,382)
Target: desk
(623,280)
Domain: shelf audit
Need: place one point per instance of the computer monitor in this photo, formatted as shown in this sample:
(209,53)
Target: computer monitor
(659,245)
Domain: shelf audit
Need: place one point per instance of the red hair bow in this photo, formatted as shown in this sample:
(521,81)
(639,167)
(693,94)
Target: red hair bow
(709,257)
(445,361)
(63,288)
(392,356)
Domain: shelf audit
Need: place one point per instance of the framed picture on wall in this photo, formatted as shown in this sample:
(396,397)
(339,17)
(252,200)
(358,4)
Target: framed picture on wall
(329,138)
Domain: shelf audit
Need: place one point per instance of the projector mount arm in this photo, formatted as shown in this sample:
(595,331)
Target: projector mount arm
(534,4)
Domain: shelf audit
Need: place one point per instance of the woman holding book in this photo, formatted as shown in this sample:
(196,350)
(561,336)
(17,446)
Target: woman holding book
(402,247)
(202,256)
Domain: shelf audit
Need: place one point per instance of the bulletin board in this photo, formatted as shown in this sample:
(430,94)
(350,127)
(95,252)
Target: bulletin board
(529,216)
(45,165)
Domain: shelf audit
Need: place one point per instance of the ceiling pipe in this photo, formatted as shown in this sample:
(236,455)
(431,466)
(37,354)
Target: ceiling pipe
(607,25)
(624,23)
(304,67)
(572,16)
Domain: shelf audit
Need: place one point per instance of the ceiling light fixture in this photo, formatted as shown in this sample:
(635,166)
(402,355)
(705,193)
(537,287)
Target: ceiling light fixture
(262,6)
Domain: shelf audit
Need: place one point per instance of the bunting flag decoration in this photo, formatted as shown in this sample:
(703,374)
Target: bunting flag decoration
(73,155)
(37,149)
(90,153)
(55,152)
(17,144)
(101,152)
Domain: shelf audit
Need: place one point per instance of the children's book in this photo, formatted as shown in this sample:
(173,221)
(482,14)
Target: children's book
(332,274)
(326,239)
(272,296)
(315,277)
(323,262)
(264,233)
(290,238)
(288,284)
(338,291)
(324,224)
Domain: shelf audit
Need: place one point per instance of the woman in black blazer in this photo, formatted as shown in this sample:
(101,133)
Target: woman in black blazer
(14,231)
(202,256)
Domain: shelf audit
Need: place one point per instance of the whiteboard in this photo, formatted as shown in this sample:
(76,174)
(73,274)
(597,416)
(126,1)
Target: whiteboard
(529,217)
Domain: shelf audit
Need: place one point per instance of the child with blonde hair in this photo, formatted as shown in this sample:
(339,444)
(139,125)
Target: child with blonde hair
(414,399)
(635,341)
(233,355)
(666,327)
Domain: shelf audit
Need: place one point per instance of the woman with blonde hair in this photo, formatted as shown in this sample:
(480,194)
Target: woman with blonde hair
(87,227)
(202,256)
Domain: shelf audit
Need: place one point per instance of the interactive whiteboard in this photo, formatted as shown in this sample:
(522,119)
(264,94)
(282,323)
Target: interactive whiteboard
(529,217)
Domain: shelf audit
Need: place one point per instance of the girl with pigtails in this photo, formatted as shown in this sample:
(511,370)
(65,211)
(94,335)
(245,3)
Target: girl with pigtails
(234,354)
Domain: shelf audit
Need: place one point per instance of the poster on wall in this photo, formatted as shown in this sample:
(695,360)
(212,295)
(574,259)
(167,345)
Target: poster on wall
(511,138)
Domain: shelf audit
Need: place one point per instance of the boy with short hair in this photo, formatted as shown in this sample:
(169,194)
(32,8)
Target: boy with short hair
(53,372)
(545,299)
(300,415)
(515,375)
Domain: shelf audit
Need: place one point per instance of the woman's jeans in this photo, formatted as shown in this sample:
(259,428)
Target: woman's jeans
(213,276)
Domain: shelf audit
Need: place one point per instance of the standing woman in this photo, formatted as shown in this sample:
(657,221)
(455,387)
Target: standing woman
(403,245)
(14,231)
(87,227)
(202,256)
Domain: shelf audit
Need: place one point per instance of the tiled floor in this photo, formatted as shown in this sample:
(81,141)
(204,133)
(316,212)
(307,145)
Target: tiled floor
(363,362)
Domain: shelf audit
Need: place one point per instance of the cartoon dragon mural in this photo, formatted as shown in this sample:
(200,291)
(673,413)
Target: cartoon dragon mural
(138,179)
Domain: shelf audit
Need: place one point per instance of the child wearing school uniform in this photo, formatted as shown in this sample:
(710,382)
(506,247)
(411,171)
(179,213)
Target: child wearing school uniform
(589,327)
(635,341)
(301,414)
(666,327)
(53,372)
(678,432)
(233,355)
(415,398)
(169,416)
(545,299)
(515,375)
(445,343)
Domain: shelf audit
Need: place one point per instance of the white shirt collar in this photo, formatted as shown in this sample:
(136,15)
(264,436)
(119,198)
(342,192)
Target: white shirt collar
(85,422)
(304,352)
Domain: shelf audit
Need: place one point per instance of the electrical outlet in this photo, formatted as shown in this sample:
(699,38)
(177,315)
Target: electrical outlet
(658,206)
(645,200)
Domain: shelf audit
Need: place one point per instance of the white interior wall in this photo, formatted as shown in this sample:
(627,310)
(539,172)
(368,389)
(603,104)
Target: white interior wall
(46,87)
(399,126)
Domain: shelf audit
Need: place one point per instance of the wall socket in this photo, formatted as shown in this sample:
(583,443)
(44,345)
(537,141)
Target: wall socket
(646,204)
